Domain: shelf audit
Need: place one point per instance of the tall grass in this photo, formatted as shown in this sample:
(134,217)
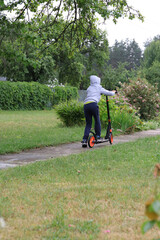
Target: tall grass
(99,194)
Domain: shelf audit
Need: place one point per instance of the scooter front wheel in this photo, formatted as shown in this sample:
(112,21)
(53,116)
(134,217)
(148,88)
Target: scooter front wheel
(111,138)
(91,141)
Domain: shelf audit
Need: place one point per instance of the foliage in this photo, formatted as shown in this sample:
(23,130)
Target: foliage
(23,95)
(152,206)
(71,113)
(81,16)
(20,59)
(127,52)
(68,64)
(152,74)
(151,62)
(124,59)
(47,39)
(152,53)
(123,116)
(143,96)
(63,94)
(113,77)
(152,124)
(95,57)
(147,43)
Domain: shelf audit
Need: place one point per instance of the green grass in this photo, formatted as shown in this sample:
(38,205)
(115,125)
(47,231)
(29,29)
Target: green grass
(21,130)
(81,196)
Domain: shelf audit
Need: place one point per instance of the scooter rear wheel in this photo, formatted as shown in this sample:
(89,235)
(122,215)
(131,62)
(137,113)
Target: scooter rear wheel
(91,141)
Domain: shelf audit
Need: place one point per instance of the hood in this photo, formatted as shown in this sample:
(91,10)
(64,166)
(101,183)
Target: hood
(95,80)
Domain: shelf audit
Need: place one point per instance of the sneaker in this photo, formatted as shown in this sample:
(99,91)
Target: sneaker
(84,143)
(99,139)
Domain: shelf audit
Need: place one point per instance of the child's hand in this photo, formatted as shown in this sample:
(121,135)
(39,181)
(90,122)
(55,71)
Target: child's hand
(115,91)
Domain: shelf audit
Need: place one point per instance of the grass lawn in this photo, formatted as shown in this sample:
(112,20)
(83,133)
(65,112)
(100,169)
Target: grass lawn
(21,130)
(99,194)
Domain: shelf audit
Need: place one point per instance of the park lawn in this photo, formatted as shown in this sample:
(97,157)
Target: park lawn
(20,130)
(99,194)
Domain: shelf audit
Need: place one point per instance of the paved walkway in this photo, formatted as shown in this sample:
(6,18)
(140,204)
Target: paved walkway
(29,156)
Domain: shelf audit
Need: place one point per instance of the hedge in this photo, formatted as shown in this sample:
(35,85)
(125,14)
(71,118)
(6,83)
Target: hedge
(63,94)
(24,95)
(33,95)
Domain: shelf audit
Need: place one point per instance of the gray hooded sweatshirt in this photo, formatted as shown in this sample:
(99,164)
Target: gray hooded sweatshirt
(95,90)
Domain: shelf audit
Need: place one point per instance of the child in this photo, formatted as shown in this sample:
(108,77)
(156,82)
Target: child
(91,108)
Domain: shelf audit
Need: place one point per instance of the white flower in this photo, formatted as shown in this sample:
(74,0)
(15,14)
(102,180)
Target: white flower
(2,223)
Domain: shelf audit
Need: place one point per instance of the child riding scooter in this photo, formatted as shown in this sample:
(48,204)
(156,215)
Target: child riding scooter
(91,109)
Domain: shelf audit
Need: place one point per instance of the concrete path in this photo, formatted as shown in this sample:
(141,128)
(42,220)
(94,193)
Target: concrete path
(29,156)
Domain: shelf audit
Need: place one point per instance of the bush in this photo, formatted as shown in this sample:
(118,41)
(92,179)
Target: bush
(23,95)
(152,74)
(143,96)
(71,113)
(123,116)
(63,94)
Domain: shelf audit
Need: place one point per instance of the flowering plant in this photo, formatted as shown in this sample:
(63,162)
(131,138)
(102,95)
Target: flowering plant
(143,96)
(123,115)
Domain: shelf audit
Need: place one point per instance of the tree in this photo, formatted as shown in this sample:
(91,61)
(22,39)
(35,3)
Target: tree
(74,67)
(151,62)
(79,16)
(152,74)
(113,77)
(20,59)
(134,55)
(147,43)
(152,53)
(125,52)
(95,58)
(39,29)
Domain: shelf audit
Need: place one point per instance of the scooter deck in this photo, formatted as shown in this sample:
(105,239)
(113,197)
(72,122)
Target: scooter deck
(100,141)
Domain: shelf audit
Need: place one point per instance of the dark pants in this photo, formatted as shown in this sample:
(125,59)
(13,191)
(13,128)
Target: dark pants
(91,110)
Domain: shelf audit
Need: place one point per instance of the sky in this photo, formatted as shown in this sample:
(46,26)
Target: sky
(136,29)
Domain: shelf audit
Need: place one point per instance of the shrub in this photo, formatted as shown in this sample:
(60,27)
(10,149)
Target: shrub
(63,94)
(153,74)
(71,113)
(123,116)
(143,96)
(23,95)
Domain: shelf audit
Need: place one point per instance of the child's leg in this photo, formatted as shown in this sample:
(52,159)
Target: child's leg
(88,117)
(97,122)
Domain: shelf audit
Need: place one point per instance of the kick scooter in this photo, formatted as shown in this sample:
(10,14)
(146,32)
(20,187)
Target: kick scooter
(92,139)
